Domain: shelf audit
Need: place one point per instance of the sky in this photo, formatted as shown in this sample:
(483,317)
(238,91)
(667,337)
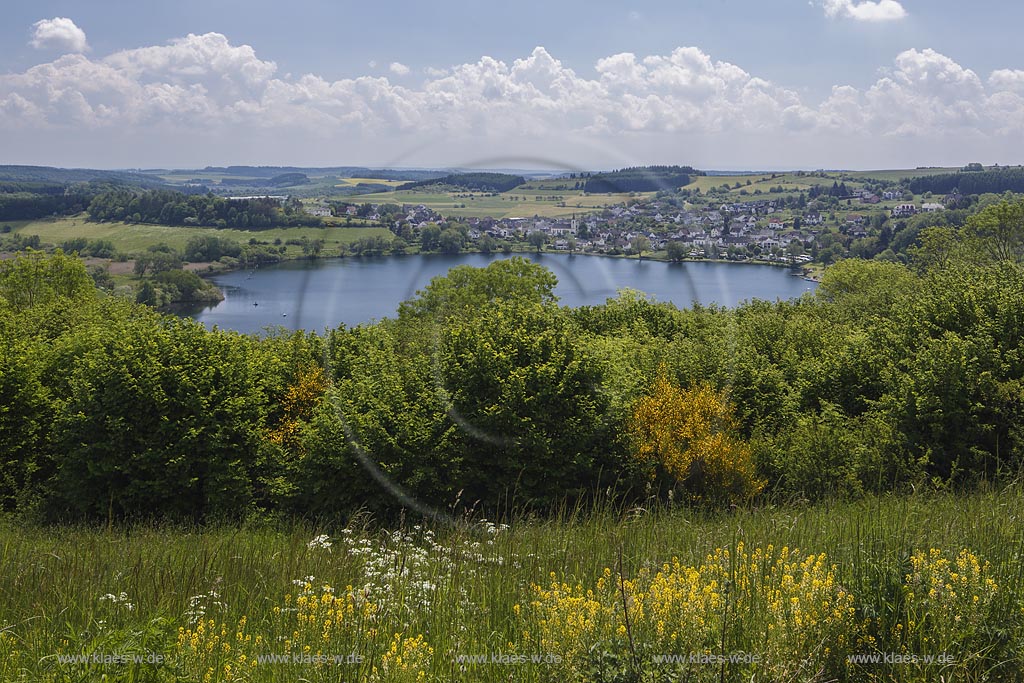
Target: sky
(716,84)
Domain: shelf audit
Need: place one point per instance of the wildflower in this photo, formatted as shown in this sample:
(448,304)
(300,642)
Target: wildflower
(321,542)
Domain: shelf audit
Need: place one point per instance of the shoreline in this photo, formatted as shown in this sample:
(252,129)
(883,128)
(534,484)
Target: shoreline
(208,269)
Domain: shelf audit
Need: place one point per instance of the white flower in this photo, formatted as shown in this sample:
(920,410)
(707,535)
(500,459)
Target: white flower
(323,541)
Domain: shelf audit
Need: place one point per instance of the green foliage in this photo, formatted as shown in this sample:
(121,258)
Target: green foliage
(858,289)
(998,230)
(465,290)
(33,278)
(165,207)
(888,378)
(87,247)
(181,286)
(155,415)
(526,403)
(210,248)
(430,237)
(451,241)
(676,250)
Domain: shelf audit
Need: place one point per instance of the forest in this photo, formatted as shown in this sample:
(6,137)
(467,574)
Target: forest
(640,179)
(166,207)
(996,181)
(482,182)
(483,390)
(43,201)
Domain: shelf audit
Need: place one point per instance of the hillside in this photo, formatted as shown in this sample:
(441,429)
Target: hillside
(483,182)
(641,179)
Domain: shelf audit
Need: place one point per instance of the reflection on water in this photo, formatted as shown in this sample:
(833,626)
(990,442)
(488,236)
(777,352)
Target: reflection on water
(322,294)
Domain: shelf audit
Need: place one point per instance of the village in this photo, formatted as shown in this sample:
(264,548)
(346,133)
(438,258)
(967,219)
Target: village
(791,229)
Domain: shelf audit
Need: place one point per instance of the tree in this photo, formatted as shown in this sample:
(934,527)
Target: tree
(211,248)
(430,236)
(537,239)
(33,278)
(312,248)
(451,241)
(676,250)
(530,418)
(160,415)
(466,290)
(858,289)
(487,244)
(640,244)
(999,230)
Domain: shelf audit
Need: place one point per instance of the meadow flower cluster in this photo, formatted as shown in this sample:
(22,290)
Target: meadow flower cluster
(199,605)
(119,600)
(213,651)
(946,603)
(789,607)
(406,660)
(481,603)
(382,615)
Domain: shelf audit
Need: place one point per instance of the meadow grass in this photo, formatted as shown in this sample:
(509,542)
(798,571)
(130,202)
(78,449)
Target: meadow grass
(345,182)
(133,238)
(595,594)
(526,201)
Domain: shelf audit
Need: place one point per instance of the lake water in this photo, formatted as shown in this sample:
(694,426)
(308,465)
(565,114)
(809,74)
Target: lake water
(322,294)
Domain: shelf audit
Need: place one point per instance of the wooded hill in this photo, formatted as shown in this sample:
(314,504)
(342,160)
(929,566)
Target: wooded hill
(641,179)
(996,180)
(481,182)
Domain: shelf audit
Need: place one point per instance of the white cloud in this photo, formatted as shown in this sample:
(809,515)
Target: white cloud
(1007,79)
(58,33)
(398,69)
(866,10)
(202,85)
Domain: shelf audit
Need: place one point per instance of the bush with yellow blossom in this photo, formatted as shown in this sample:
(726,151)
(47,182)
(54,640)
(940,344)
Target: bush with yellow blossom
(691,435)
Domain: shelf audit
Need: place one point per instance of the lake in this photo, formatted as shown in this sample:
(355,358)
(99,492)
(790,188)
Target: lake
(317,295)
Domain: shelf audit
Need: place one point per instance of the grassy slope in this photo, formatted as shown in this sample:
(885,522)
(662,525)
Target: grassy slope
(134,238)
(534,198)
(52,579)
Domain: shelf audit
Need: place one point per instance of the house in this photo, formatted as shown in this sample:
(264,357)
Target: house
(930,207)
(903,210)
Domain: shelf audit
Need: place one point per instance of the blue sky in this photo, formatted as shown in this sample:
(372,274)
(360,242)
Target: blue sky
(714,83)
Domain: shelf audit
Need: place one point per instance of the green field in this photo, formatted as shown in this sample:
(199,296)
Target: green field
(373,181)
(132,238)
(524,201)
(598,596)
(790,182)
(796,182)
(898,175)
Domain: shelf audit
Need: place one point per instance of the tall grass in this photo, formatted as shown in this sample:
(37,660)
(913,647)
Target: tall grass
(422,595)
